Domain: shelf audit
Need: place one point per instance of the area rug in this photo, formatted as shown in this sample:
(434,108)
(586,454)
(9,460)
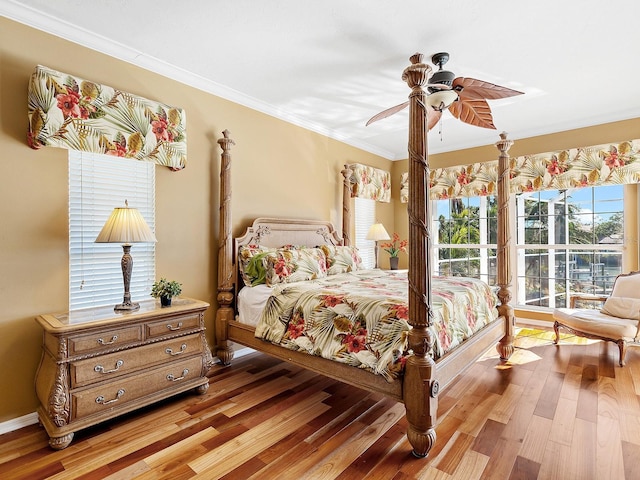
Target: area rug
(548,335)
(525,343)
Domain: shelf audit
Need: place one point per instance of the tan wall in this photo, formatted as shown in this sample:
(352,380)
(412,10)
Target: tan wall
(33,196)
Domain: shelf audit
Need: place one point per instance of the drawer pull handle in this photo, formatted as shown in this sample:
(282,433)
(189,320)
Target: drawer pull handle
(100,368)
(172,328)
(171,378)
(113,339)
(183,348)
(102,401)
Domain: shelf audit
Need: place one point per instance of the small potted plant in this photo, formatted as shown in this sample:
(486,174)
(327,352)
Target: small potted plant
(393,248)
(166,290)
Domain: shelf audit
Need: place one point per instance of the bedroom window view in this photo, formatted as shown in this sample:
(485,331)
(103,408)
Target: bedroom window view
(465,236)
(567,241)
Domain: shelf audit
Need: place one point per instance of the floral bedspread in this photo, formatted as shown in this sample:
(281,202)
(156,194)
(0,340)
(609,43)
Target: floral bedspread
(360,318)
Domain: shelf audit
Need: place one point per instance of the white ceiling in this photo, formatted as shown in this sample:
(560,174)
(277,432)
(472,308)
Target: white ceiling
(330,65)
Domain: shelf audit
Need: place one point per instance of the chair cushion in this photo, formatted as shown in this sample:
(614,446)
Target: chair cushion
(623,307)
(594,322)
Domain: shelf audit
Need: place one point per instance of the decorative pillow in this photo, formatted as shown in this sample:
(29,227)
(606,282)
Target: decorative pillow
(291,246)
(622,307)
(341,259)
(296,265)
(252,265)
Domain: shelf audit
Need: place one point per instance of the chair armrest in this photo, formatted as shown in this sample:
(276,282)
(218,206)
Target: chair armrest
(586,297)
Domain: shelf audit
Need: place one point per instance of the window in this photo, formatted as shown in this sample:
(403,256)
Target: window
(98,184)
(365,216)
(465,236)
(568,241)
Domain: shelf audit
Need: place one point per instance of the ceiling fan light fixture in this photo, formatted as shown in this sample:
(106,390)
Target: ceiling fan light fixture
(444,77)
(442,99)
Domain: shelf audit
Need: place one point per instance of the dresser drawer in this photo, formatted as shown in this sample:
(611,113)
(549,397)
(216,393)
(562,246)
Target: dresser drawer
(104,367)
(120,391)
(173,325)
(102,341)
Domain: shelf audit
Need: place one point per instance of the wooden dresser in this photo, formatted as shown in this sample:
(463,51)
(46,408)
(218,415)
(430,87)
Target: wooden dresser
(97,364)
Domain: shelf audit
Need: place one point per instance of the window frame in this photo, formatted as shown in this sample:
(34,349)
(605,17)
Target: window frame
(486,257)
(98,184)
(555,297)
(550,252)
(364,217)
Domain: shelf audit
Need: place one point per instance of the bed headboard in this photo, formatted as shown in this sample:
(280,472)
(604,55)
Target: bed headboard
(276,232)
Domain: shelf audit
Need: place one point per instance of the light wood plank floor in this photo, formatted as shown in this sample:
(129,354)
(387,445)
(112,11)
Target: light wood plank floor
(567,412)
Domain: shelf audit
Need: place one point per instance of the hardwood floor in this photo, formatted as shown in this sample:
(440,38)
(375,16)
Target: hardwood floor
(567,412)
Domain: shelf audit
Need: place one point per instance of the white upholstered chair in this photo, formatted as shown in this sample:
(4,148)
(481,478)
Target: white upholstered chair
(618,321)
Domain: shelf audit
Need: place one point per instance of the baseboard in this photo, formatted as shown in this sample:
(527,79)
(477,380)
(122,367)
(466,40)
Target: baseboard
(533,323)
(242,352)
(20,422)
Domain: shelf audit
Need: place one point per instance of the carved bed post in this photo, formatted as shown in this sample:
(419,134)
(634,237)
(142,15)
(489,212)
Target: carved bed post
(505,346)
(225,310)
(346,205)
(420,385)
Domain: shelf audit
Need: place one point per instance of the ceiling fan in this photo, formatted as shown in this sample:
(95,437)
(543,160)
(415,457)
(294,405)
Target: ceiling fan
(466,98)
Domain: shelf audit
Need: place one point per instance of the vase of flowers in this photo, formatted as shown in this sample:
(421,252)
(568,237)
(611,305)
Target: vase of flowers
(165,290)
(393,248)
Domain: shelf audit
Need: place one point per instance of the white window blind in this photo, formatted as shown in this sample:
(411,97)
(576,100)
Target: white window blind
(365,216)
(98,184)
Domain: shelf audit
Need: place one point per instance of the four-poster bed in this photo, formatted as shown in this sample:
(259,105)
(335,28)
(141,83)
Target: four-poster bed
(422,377)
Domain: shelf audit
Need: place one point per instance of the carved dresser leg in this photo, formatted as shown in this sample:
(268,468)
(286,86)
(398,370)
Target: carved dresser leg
(202,389)
(59,443)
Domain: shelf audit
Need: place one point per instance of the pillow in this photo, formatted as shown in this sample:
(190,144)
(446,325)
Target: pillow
(622,307)
(295,265)
(341,259)
(291,246)
(251,260)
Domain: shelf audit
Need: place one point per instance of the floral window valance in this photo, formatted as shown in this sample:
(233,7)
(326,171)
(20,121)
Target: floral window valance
(69,112)
(605,164)
(369,182)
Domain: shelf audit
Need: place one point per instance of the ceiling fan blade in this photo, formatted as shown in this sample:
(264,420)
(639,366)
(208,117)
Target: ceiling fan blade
(387,113)
(472,88)
(474,112)
(433,117)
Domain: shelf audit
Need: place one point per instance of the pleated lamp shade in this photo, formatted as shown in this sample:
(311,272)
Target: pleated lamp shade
(125,225)
(377,232)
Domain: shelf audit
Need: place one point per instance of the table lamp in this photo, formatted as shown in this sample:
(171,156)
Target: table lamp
(126,226)
(377,232)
